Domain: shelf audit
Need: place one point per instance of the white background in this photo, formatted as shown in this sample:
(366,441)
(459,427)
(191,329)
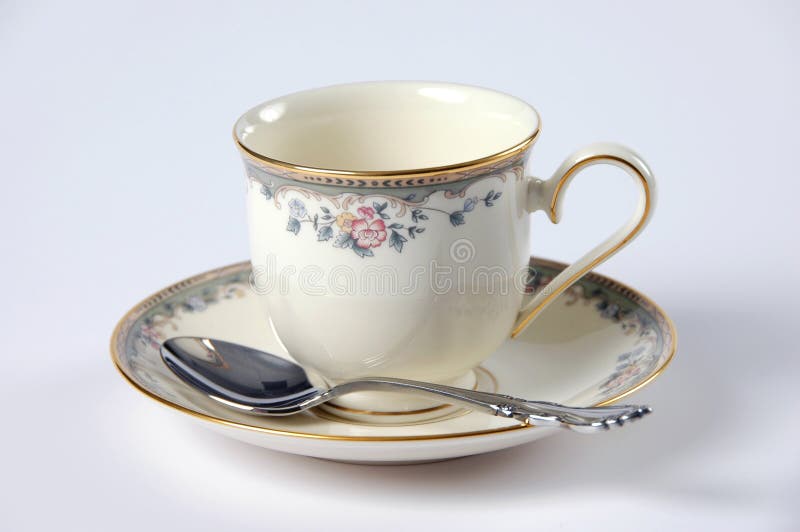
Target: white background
(119,177)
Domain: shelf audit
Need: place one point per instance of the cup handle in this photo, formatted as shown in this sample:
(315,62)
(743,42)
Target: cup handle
(549,196)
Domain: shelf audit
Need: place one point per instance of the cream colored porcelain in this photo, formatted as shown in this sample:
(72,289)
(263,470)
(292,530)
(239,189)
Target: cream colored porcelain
(598,342)
(386,126)
(389,228)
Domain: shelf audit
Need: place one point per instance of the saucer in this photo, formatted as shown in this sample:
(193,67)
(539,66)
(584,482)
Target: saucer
(597,343)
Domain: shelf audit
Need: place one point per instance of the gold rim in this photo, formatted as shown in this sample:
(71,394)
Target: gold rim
(387,413)
(458,171)
(154,298)
(392,174)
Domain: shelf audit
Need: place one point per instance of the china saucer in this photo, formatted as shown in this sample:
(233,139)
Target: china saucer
(597,343)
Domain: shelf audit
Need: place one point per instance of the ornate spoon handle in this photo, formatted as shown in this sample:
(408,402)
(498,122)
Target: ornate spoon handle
(591,419)
(539,413)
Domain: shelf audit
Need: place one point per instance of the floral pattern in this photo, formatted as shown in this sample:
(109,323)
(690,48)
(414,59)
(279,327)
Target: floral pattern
(631,365)
(156,324)
(367,228)
(367,234)
(401,204)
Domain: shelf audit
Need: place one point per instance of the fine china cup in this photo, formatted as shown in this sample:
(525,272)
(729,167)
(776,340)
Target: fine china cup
(389,229)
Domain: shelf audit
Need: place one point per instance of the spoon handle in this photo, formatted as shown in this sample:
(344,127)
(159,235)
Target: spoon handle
(538,413)
(587,420)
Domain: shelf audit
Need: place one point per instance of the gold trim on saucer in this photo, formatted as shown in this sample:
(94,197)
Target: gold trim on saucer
(382,413)
(132,315)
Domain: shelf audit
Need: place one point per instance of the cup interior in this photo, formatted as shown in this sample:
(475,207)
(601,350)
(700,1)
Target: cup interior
(386,126)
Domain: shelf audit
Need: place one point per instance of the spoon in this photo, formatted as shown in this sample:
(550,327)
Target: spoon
(265,384)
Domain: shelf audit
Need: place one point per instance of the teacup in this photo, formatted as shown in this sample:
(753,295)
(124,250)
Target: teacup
(389,229)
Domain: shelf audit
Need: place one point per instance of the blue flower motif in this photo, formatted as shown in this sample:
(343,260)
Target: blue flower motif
(609,310)
(297,208)
(195,303)
(457,218)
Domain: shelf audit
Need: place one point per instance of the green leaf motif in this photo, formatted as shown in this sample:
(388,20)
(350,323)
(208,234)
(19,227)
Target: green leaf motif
(491,197)
(343,240)
(379,207)
(362,252)
(293,226)
(396,240)
(325,233)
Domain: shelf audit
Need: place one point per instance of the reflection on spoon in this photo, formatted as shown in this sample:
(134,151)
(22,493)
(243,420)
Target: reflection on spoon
(265,384)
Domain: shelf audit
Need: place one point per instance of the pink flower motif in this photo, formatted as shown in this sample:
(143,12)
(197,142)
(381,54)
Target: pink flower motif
(366,212)
(368,235)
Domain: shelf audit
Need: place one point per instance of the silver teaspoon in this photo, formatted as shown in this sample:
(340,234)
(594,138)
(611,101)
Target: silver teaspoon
(262,383)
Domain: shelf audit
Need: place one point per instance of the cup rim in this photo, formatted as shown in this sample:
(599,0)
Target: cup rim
(502,155)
